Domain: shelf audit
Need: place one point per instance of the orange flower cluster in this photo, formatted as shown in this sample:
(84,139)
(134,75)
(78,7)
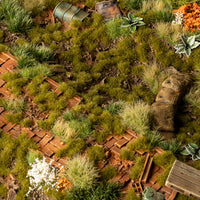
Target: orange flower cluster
(191,14)
(63,183)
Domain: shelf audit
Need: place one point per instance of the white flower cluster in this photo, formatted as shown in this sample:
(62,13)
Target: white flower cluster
(179,19)
(41,174)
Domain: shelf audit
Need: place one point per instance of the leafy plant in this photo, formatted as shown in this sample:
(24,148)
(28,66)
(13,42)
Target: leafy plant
(132,22)
(96,154)
(136,170)
(108,172)
(188,43)
(192,150)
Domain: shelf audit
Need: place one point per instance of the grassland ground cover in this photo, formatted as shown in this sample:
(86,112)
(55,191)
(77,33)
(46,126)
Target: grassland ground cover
(116,72)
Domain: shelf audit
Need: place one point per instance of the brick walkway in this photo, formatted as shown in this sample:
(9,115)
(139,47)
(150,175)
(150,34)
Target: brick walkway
(49,144)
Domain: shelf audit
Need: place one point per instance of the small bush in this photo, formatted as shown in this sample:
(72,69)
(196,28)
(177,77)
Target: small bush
(17,105)
(1,36)
(81,172)
(73,147)
(14,118)
(140,143)
(132,195)
(136,170)
(32,155)
(126,154)
(108,172)
(63,130)
(115,30)
(96,154)
(136,117)
(3,190)
(114,107)
(27,122)
(163,177)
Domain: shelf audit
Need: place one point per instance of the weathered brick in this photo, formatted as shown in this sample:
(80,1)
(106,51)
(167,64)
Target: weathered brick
(115,150)
(3,70)
(9,65)
(121,143)
(3,119)
(51,147)
(2,124)
(40,134)
(110,143)
(57,142)
(128,136)
(45,140)
(131,132)
(156,186)
(4,91)
(3,57)
(2,83)
(166,189)
(124,179)
(46,151)
(8,127)
(36,138)
(14,133)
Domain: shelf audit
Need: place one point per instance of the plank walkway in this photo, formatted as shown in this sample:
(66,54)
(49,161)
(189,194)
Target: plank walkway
(49,144)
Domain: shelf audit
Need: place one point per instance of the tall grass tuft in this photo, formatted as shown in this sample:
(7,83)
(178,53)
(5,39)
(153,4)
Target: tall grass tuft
(154,76)
(81,172)
(63,130)
(17,19)
(137,117)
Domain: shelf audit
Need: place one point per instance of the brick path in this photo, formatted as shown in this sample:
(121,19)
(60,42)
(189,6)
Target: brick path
(49,144)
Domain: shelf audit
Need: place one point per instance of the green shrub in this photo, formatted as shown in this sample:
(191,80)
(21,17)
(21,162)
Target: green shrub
(136,170)
(73,146)
(115,30)
(16,18)
(27,122)
(136,117)
(3,48)
(126,154)
(57,36)
(131,195)
(140,143)
(108,172)
(81,172)
(3,191)
(163,177)
(14,118)
(183,197)
(114,107)
(32,155)
(16,105)
(96,154)
(62,129)
(165,159)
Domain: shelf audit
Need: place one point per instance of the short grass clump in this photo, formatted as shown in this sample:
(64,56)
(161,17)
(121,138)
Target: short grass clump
(16,105)
(96,154)
(16,18)
(73,146)
(136,170)
(137,117)
(108,173)
(14,118)
(63,130)
(81,172)
(126,154)
(131,195)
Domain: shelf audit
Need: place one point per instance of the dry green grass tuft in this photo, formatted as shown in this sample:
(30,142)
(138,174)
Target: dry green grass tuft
(81,172)
(137,117)
(63,130)
(154,76)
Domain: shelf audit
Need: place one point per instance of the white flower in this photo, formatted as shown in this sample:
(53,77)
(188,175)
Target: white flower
(41,174)
(179,19)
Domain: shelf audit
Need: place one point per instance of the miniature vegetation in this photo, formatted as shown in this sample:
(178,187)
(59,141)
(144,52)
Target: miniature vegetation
(116,69)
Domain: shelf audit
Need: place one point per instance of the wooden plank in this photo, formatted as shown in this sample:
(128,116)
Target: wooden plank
(9,65)
(45,140)
(121,143)
(173,195)
(10,56)
(4,92)
(3,57)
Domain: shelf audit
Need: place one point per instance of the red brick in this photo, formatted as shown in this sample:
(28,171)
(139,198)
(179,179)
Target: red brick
(73,101)
(17,127)
(51,147)
(146,185)
(128,136)
(46,151)
(36,138)
(4,91)
(57,142)
(3,119)
(172,196)
(2,124)
(109,137)
(10,56)
(167,195)
(3,57)
(8,127)
(45,140)
(15,133)
(115,150)
(125,179)
(133,133)
(156,186)
(29,133)
(63,161)
(55,158)
(153,179)
(110,143)
(2,82)
(9,65)
(118,137)
(166,189)
(121,143)
(3,70)
(40,134)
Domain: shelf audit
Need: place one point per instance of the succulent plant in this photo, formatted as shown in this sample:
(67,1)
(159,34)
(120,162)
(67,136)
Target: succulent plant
(193,150)
(132,22)
(188,43)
